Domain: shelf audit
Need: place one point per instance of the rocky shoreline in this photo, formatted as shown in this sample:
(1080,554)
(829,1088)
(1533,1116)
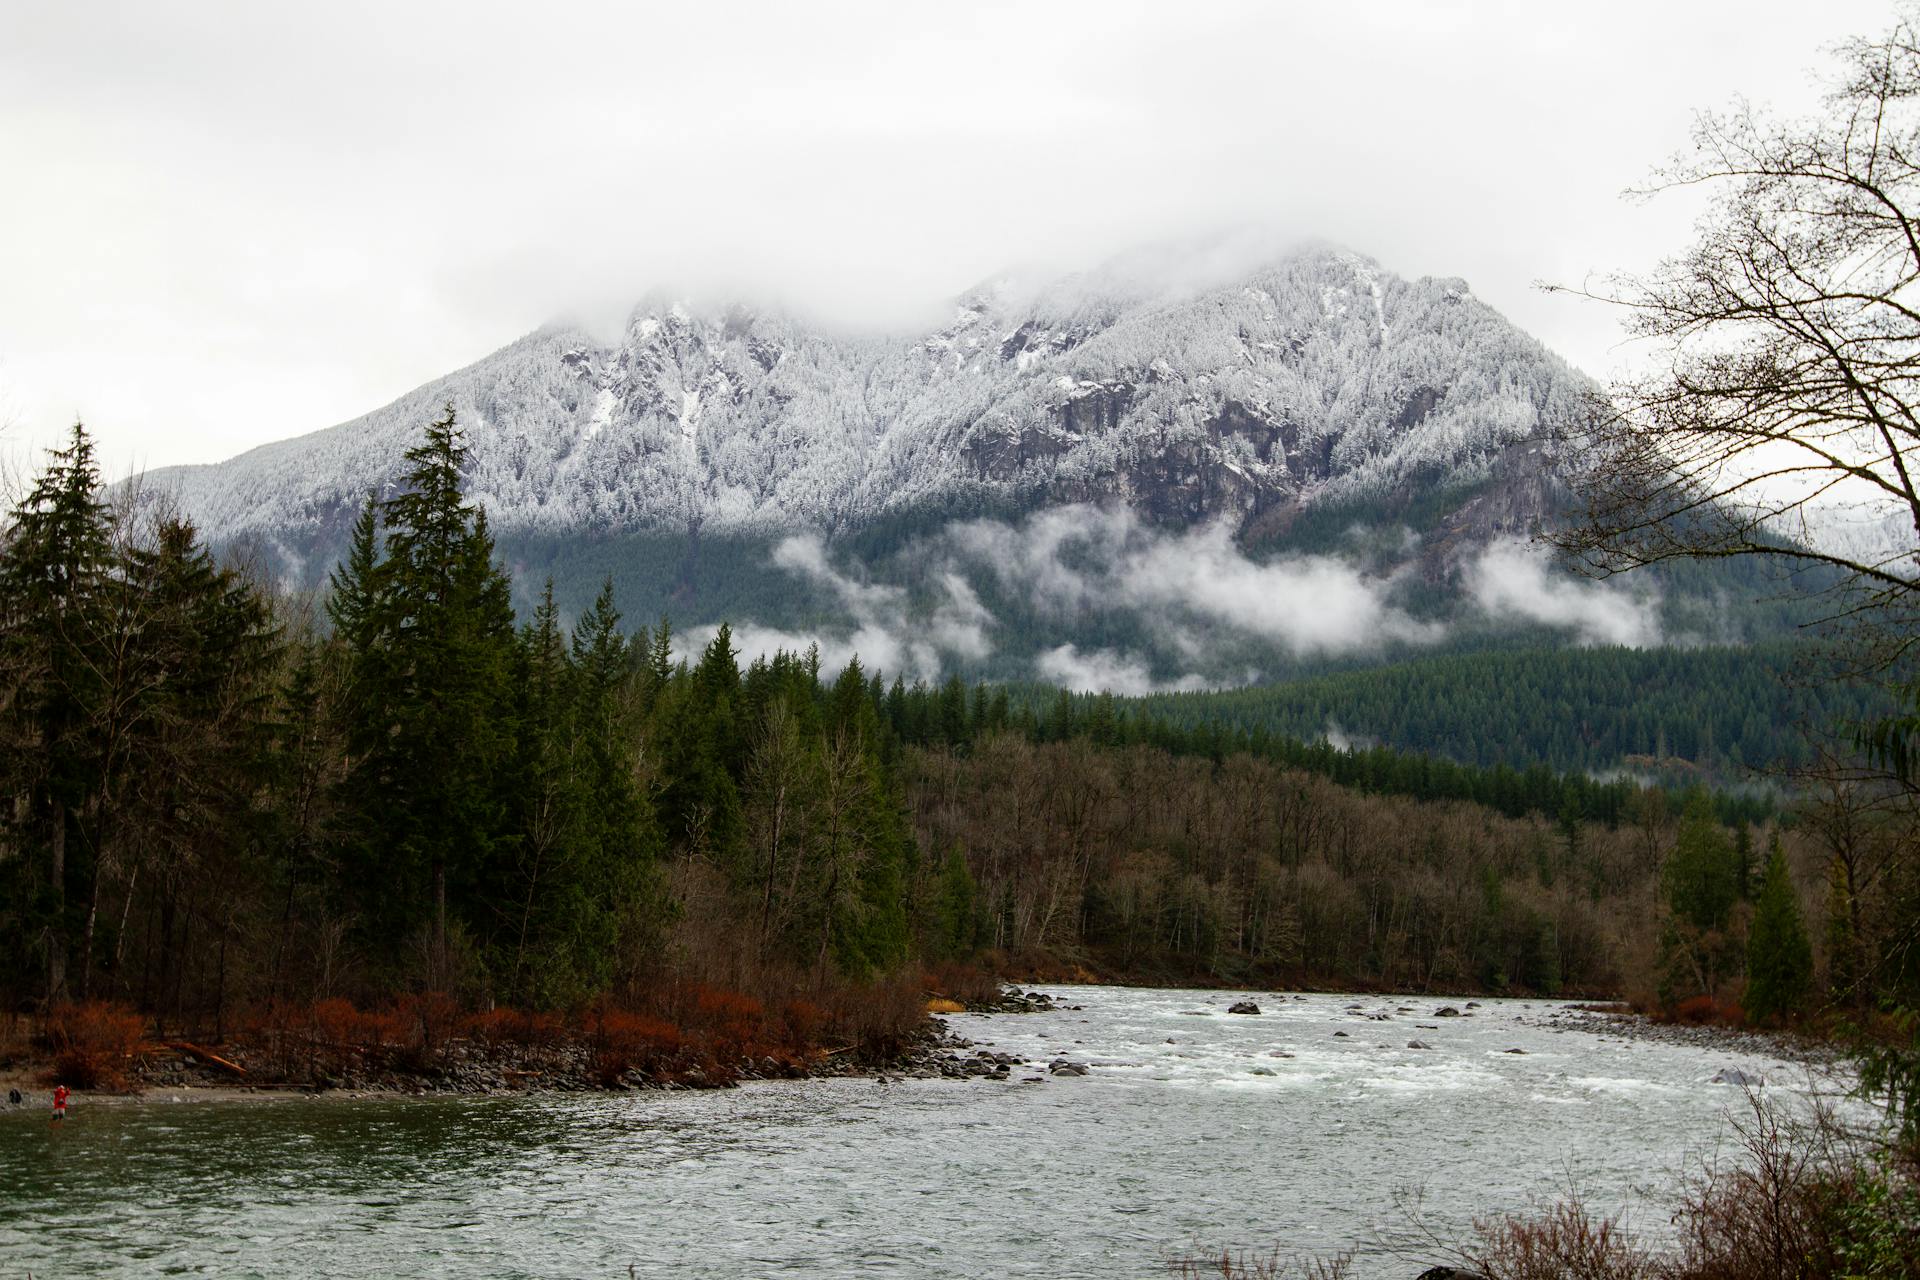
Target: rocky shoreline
(477,1068)
(936,1051)
(1782,1046)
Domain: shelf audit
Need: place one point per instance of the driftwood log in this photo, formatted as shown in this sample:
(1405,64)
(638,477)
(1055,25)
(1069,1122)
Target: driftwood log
(191,1050)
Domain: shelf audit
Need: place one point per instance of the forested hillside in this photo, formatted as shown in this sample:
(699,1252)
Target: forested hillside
(1725,710)
(220,802)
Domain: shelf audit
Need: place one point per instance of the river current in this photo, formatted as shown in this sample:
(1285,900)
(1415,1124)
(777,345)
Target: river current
(1192,1127)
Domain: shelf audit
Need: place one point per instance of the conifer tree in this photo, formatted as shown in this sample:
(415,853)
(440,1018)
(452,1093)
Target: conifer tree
(431,719)
(1779,958)
(190,654)
(1743,862)
(55,568)
(353,599)
(303,801)
(1701,884)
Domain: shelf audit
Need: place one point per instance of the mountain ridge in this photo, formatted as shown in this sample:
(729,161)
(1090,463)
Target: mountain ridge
(1316,378)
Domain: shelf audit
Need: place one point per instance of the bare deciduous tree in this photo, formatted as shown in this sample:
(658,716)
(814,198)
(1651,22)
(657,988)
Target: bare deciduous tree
(1786,348)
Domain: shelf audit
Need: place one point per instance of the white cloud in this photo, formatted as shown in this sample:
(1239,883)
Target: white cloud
(1107,671)
(1340,740)
(1079,558)
(1196,594)
(302,255)
(1514,579)
(877,650)
(889,635)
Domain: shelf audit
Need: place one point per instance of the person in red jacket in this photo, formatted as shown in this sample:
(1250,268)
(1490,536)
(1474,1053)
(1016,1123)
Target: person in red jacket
(60,1095)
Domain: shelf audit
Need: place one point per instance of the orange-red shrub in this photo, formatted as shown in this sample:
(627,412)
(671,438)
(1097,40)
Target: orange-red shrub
(343,1032)
(623,1041)
(1700,1010)
(500,1026)
(93,1044)
(966,983)
(804,1021)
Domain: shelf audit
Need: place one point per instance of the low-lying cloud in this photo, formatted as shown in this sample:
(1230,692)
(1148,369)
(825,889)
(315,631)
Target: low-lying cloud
(1190,597)
(1073,559)
(1110,671)
(889,632)
(1515,580)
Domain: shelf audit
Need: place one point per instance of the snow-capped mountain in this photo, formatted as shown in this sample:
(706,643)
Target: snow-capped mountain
(1188,395)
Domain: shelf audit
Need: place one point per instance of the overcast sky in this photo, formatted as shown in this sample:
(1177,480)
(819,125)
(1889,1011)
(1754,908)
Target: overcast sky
(224,224)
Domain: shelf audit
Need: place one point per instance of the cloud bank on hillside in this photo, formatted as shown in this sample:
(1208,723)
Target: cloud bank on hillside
(1189,594)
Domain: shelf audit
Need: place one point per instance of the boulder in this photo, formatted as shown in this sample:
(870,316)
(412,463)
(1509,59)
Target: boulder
(1243,1006)
(1735,1076)
(1446,1011)
(1418,1044)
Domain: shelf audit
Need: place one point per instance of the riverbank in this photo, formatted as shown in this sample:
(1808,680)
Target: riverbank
(514,1054)
(503,1054)
(1787,1046)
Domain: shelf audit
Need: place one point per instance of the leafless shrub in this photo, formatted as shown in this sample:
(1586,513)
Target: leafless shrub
(1565,1242)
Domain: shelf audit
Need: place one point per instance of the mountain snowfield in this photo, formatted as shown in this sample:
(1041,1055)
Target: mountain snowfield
(1315,376)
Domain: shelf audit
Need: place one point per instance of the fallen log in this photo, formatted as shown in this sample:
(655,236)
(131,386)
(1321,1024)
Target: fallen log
(205,1055)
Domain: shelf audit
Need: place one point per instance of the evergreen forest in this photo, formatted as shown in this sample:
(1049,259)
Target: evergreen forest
(219,798)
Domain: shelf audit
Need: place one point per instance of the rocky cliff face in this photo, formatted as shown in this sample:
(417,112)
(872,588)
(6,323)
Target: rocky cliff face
(1310,379)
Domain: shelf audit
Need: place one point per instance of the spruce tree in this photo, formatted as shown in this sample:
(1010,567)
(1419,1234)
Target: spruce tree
(190,655)
(431,720)
(1779,958)
(56,565)
(353,601)
(1700,882)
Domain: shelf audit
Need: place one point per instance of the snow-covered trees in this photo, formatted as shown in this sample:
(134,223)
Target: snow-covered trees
(1313,375)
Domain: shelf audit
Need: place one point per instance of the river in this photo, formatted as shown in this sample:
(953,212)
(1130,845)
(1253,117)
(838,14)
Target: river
(1189,1128)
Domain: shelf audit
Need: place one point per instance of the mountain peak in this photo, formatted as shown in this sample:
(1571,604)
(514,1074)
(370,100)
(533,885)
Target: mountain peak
(1225,378)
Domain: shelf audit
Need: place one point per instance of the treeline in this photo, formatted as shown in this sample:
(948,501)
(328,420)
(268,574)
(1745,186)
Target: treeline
(1725,709)
(1250,871)
(953,715)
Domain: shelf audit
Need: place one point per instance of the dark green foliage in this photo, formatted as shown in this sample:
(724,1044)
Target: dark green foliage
(428,625)
(1701,883)
(1713,708)
(1702,876)
(132,705)
(954,929)
(1056,715)
(426,798)
(54,586)
(1779,957)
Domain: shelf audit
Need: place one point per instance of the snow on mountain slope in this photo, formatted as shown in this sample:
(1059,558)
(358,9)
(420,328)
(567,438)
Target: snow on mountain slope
(1315,376)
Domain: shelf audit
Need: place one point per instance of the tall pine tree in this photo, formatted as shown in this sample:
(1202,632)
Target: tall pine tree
(1779,958)
(55,571)
(429,624)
